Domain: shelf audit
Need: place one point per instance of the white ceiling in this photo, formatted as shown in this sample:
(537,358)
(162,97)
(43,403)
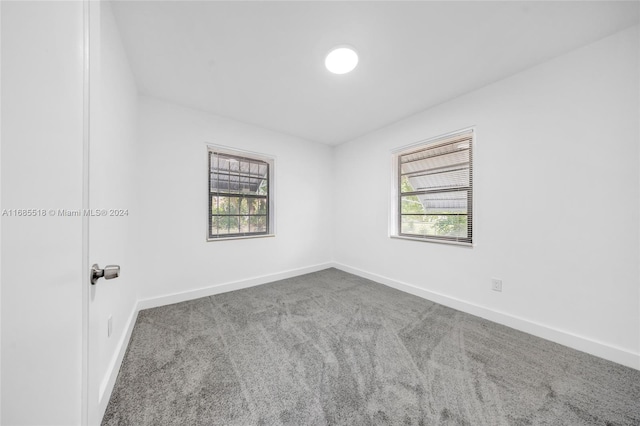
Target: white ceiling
(263,62)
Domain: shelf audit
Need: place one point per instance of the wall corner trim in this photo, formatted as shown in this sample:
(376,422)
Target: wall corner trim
(580,343)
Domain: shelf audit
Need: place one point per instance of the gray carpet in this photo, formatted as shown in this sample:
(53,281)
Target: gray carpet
(330,348)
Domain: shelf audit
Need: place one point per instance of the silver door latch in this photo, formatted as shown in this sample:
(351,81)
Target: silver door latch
(109,272)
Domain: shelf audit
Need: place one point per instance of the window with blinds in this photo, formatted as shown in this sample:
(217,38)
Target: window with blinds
(239,195)
(435,190)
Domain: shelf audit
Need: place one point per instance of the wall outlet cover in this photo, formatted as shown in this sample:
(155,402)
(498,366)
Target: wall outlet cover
(496,284)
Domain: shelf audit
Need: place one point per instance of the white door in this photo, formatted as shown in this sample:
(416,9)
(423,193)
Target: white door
(111,190)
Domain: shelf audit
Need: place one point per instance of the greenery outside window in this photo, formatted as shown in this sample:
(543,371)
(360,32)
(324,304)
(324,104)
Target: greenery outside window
(433,194)
(240,189)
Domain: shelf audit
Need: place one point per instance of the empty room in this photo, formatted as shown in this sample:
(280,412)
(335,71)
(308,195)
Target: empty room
(320,212)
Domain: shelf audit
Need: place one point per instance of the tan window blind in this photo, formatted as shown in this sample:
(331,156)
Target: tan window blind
(435,190)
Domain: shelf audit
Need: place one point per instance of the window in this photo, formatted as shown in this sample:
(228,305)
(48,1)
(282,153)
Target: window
(433,195)
(240,195)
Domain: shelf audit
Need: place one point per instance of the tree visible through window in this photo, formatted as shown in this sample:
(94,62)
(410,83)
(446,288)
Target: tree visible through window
(435,190)
(239,195)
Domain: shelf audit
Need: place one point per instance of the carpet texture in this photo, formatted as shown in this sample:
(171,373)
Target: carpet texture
(331,348)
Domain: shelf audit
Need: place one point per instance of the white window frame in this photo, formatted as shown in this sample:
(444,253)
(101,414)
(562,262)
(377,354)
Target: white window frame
(394,216)
(271,161)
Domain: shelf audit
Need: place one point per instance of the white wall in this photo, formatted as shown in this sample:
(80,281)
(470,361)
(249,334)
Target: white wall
(112,166)
(173,202)
(41,168)
(556,201)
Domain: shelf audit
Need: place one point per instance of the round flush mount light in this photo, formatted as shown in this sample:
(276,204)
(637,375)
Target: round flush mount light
(341,60)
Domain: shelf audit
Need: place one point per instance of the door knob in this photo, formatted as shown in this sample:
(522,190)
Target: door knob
(109,272)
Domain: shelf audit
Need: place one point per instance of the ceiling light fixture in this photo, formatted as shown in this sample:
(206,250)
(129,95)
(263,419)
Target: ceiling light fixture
(341,60)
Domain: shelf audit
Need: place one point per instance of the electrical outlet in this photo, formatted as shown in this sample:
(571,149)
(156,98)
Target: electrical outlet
(109,325)
(496,284)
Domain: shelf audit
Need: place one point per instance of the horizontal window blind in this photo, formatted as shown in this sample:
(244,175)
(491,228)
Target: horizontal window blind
(238,196)
(435,190)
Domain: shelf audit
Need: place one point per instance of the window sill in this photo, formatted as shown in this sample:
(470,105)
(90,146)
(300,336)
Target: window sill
(432,240)
(246,237)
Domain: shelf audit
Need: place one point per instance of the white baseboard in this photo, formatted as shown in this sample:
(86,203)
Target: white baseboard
(230,286)
(109,379)
(581,343)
